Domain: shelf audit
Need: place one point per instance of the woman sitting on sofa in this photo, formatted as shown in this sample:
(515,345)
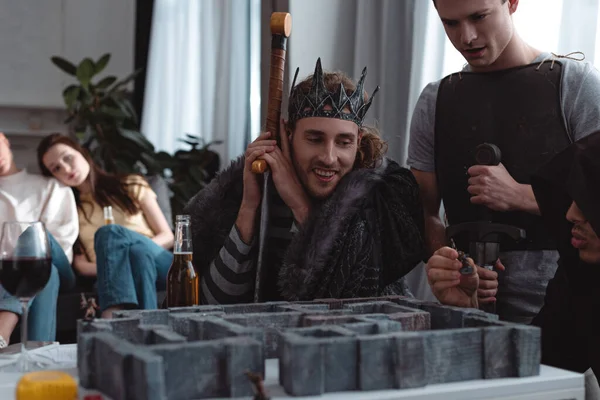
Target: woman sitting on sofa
(130,257)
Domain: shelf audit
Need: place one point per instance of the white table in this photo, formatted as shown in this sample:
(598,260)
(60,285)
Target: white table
(551,384)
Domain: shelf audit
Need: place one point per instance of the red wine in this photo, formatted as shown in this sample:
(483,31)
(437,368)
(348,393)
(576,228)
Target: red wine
(25,277)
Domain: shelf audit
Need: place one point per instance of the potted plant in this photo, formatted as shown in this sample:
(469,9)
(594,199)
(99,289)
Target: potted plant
(103,118)
(189,170)
(105,122)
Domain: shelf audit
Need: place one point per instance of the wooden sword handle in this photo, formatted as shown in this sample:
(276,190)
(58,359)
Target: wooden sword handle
(281,27)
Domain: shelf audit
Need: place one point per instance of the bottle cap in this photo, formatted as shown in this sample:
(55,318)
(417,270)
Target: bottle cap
(108,212)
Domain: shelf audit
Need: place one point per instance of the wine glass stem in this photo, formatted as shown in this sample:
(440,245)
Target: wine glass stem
(24,317)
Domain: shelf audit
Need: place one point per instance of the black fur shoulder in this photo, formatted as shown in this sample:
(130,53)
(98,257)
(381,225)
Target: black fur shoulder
(213,212)
(387,200)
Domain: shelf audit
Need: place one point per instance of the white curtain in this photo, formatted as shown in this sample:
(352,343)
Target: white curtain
(198,78)
(382,43)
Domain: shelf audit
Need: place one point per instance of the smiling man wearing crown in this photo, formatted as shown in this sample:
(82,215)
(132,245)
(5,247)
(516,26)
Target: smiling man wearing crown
(345,221)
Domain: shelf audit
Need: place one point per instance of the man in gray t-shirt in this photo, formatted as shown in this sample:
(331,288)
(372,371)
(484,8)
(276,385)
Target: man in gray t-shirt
(483,31)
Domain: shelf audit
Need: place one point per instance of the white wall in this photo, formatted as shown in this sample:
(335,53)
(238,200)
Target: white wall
(32,31)
(316,32)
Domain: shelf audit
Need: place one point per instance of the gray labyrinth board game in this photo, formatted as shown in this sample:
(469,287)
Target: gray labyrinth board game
(322,346)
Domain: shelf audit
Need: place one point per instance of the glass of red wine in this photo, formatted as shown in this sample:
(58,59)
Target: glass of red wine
(25,267)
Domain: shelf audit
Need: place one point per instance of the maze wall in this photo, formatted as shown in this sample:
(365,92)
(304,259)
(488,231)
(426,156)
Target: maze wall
(322,346)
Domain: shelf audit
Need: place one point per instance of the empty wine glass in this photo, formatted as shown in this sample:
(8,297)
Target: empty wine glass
(25,268)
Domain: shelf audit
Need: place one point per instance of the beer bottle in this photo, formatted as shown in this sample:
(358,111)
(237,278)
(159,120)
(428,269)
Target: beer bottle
(183,282)
(108,216)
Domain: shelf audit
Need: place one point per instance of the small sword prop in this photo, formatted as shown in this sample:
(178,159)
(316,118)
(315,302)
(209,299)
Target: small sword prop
(281,27)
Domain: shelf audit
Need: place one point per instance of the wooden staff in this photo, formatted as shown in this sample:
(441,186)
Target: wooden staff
(281,27)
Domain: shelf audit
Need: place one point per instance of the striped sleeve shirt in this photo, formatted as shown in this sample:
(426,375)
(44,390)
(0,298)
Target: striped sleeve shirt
(231,276)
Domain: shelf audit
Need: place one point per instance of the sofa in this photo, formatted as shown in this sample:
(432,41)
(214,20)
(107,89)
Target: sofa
(69,301)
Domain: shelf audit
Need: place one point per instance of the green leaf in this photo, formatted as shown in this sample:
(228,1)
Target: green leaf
(85,72)
(128,159)
(124,112)
(64,65)
(152,163)
(163,156)
(106,82)
(138,139)
(109,101)
(170,165)
(70,95)
(101,63)
(85,98)
(125,81)
(88,142)
(112,112)
(197,174)
(167,161)
(80,135)
(87,117)
(186,156)
(130,110)
(126,108)
(201,156)
(123,167)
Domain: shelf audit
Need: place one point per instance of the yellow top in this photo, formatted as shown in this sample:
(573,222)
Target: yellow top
(138,189)
(46,385)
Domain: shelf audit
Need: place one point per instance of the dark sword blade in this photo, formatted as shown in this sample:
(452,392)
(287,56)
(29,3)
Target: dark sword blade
(262,239)
(485,256)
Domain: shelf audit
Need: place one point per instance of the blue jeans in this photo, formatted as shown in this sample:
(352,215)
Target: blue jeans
(131,267)
(42,310)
